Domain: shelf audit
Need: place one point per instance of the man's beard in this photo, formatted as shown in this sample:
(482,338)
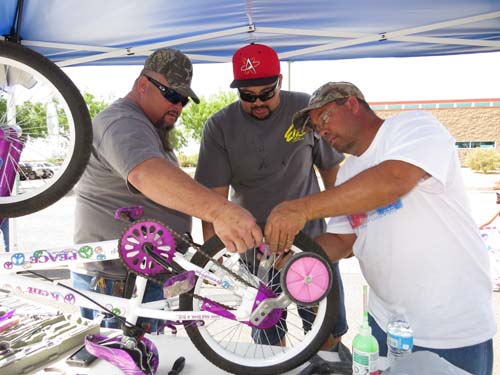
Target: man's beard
(162,124)
(167,126)
(164,129)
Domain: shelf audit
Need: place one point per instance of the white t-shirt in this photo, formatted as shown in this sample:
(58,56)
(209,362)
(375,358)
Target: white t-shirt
(422,253)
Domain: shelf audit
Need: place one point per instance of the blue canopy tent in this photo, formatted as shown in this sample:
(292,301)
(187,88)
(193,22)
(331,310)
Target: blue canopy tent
(86,32)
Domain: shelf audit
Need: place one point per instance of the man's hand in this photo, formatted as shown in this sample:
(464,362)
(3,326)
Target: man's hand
(283,224)
(236,228)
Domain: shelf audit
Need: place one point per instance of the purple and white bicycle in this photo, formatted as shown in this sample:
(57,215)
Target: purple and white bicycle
(233,305)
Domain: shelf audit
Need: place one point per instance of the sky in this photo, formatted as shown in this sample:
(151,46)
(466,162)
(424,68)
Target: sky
(472,76)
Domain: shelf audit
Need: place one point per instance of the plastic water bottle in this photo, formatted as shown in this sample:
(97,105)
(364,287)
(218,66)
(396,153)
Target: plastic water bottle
(399,337)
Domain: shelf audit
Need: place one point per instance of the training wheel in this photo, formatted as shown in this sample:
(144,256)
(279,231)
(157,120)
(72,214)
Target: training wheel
(139,240)
(307,278)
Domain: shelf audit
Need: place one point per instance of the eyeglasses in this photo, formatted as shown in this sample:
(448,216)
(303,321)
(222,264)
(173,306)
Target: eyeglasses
(324,118)
(263,97)
(170,94)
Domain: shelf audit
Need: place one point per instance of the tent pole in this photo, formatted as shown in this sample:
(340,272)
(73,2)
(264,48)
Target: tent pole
(289,75)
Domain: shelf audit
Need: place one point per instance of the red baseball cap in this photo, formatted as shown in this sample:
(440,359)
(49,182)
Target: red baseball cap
(255,65)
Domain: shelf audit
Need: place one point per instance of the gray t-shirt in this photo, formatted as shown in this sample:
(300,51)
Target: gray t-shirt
(264,161)
(123,138)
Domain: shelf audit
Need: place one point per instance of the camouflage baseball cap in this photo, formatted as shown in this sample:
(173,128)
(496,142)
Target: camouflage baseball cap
(175,67)
(325,94)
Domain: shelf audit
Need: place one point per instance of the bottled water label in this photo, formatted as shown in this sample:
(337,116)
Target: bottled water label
(400,342)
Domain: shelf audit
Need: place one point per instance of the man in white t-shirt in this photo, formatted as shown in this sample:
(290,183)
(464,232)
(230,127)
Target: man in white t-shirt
(400,206)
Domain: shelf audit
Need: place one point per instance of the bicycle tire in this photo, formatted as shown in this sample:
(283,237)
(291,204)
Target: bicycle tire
(76,134)
(251,357)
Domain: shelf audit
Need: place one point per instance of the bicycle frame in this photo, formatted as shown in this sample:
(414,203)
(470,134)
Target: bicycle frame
(227,313)
(131,309)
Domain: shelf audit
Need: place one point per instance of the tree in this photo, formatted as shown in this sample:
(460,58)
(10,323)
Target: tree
(483,160)
(3,110)
(95,106)
(32,117)
(194,116)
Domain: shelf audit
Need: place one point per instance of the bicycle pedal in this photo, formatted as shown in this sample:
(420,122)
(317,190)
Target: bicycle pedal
(179,284)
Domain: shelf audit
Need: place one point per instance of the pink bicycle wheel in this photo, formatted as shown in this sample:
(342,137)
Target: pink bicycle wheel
(307,278)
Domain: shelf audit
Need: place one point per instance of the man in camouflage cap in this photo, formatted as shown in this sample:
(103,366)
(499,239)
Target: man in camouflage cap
(176,68)
(133,164)
(327,93)
(399,205)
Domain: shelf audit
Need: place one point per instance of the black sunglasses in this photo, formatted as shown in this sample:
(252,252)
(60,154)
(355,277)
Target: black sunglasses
(265,96)
(170,94)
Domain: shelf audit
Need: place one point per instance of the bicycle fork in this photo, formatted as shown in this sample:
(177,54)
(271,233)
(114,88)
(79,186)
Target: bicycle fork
(10,153)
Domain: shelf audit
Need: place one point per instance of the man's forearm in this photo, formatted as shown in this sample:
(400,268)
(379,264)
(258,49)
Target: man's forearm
(336,246)
(171,187)
(373,188)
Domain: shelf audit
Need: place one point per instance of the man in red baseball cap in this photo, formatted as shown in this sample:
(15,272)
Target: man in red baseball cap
(264,159)
(255,65)
(257,76)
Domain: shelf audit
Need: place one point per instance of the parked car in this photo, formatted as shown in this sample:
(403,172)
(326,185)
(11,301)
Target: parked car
(26,172)
(44,169)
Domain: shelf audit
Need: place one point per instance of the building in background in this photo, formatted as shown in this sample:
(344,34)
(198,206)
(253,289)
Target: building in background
(473,122)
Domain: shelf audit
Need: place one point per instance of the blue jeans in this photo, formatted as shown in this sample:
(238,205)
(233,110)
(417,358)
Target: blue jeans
(476,359)
(154,292)
(4,227)
(274,335)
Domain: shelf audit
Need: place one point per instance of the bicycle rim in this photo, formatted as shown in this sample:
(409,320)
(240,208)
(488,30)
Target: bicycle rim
(236,347)
(42,104)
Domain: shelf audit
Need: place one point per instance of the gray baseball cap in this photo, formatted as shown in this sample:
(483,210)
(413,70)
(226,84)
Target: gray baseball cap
(325,94)
(175,67)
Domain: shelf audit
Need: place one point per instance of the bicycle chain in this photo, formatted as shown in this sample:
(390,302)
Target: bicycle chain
(198,249)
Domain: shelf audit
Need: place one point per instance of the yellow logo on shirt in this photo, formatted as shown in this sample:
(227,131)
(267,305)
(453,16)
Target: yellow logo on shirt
(293,135)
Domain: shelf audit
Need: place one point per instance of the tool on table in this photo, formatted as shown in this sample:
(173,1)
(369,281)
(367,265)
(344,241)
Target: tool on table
(177,366)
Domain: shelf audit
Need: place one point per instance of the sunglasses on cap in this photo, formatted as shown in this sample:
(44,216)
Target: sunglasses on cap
(265,96)
(170,94)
